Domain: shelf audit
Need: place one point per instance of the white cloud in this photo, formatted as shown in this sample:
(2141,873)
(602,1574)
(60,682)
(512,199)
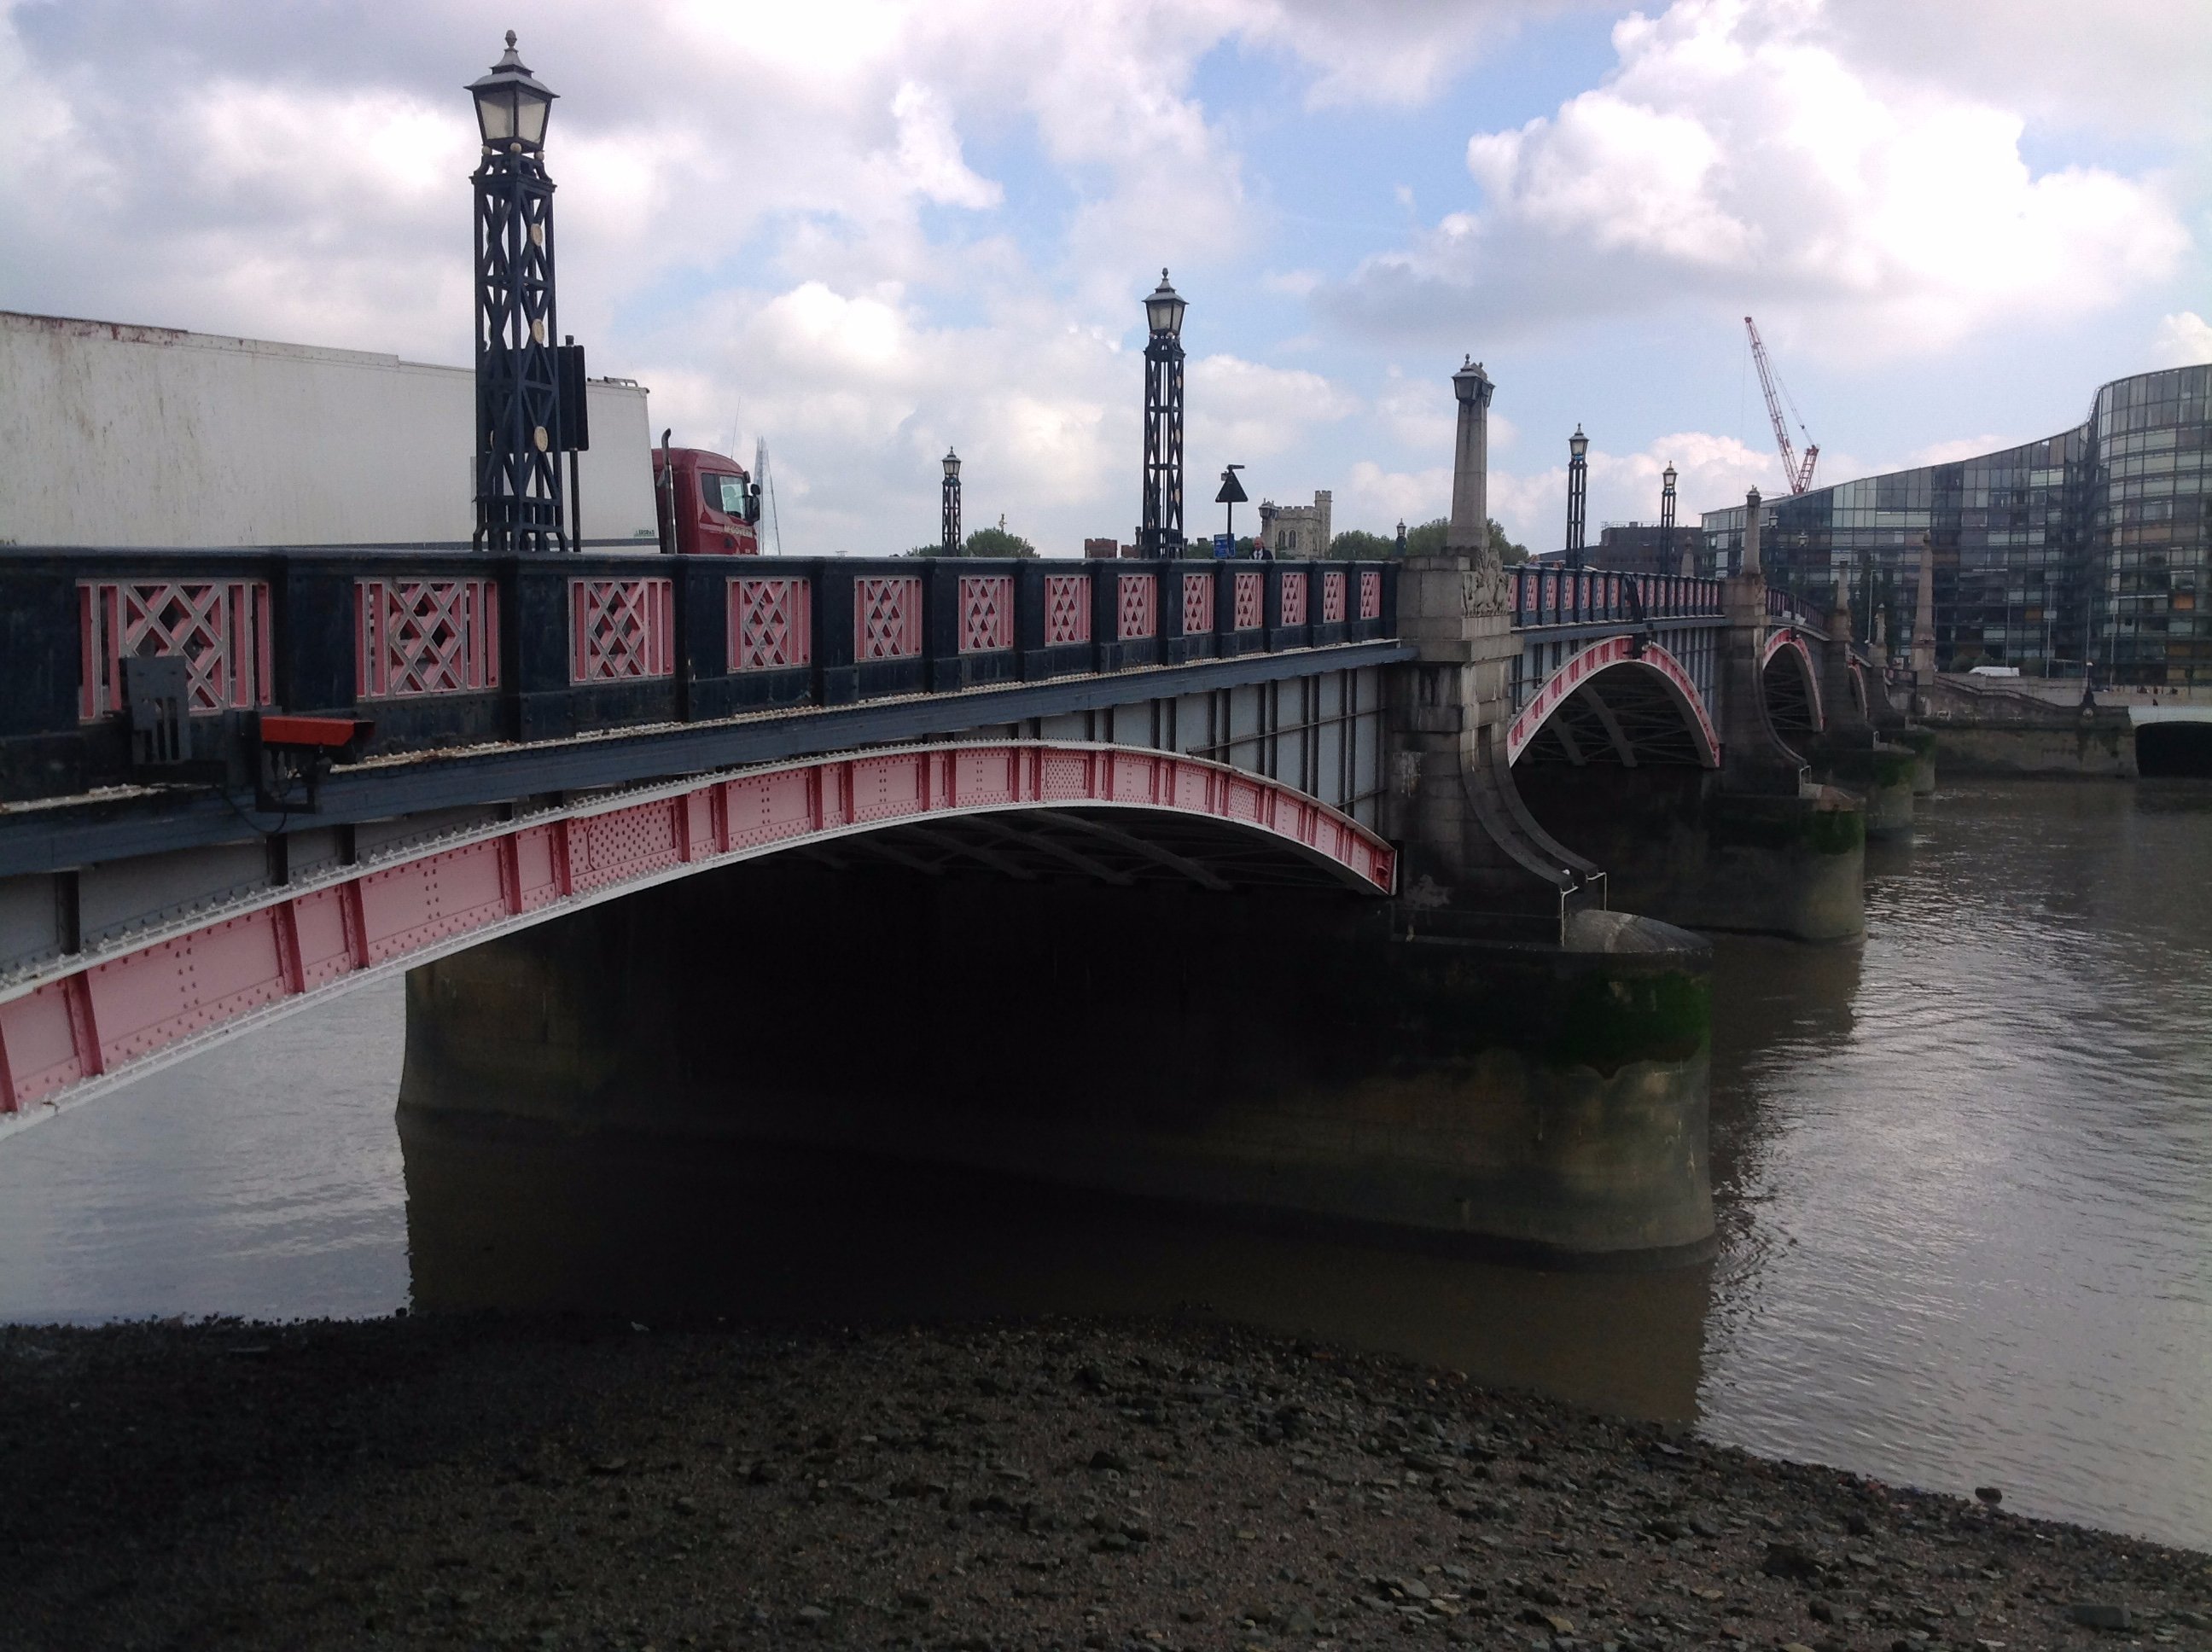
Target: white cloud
(2183,341)
(1947,452)
(929,152)
(1739,153)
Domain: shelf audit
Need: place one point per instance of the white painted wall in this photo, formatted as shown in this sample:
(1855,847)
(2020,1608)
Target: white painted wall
(119,436)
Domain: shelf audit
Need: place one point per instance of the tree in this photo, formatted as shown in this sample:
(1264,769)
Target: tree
(984,542)
(997,542)
(1357,545)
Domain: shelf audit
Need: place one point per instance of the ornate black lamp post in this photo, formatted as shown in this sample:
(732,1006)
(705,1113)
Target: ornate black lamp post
(951,503)
(1401,536)
(518,427)
(1577,493)
(1161,533)
(1667,519)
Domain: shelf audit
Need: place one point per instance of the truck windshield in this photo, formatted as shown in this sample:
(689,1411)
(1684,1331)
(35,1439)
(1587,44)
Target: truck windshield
(725,493)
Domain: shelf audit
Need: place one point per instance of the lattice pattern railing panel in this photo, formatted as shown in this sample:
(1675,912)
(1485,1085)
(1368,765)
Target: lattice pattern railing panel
(1251,601)
(1136,607)
(621,630)
(771,624)
(986,612)
(1332,599)
(1294,597)
(1066,608)
(425,636)
(887,618)
(1370,594)
(1197,604)
(220,628)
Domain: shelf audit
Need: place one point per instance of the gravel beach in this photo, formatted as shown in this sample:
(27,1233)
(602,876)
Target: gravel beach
(462,1482)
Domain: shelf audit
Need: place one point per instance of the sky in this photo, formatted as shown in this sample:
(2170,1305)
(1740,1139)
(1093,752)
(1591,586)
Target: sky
(865,232)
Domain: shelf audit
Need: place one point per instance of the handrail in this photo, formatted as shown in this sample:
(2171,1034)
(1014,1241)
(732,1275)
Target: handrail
(441,647)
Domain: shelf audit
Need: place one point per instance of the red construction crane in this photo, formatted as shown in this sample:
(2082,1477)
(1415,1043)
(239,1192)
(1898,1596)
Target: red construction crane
(1800,477)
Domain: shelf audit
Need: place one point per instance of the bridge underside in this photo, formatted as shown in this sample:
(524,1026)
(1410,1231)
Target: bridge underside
(1269,1049)
(76,1023)
(1623,718)
(1793,695)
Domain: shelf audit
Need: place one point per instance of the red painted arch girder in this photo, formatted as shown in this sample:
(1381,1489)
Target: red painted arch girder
(1787,637)
(1606,655)
(91,1022)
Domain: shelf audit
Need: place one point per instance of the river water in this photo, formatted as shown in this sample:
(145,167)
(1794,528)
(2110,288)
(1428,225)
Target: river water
(1964,1176)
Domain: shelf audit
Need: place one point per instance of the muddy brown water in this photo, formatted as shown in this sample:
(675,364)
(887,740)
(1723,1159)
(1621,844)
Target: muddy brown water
(1964,1175)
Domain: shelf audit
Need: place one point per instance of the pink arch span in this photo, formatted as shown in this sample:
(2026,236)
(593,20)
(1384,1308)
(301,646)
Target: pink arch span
(1787,637)
(1604,656)
(92,1020)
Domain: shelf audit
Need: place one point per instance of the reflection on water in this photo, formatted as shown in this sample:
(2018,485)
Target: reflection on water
(1964,1176)
(1969,1204)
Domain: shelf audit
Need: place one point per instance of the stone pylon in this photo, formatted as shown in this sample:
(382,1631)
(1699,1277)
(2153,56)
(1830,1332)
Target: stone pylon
(1923,618)
(1840,708)
(1471,844)
(1754,758)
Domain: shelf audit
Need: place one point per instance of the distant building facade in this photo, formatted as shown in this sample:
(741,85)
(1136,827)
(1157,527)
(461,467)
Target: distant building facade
(1296,530)
(1645,548)
(2093,544)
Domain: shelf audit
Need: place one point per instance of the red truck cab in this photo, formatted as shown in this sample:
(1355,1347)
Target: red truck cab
(706,504)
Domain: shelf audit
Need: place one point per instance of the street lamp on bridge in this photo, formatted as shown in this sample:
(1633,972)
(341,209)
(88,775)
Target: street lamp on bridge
(951,524)
(520,430)
(1578,494)
(1161,532)
(1667,519)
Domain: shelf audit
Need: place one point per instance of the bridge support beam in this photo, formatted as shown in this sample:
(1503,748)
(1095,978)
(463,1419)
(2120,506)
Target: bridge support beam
(1290,1054)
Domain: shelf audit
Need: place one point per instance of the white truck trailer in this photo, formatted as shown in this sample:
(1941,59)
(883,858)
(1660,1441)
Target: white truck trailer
(112,435)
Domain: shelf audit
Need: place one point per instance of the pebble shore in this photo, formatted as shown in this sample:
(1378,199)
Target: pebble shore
(547,1484)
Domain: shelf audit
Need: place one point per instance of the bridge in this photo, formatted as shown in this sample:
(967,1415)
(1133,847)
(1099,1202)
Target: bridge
(235,782)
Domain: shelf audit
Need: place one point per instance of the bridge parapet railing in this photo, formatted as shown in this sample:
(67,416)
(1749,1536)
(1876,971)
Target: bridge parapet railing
(441,646)
(1552,595)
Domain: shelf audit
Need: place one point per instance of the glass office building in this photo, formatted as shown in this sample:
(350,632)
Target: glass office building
(2093,544)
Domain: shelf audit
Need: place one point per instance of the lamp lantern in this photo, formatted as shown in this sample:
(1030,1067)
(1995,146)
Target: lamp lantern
(512,104)
(1163,310)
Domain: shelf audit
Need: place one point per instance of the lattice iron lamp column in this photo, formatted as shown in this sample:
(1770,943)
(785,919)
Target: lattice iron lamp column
(951,536)
(1161,532)
(1667,520)
(518,502)
(1578,494)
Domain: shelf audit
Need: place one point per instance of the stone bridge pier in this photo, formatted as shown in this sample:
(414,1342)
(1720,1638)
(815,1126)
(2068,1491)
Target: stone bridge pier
(1863,744)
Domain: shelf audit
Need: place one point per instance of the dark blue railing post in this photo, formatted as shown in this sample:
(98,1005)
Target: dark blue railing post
(1030,661)
(1105,614)
(1227,640)
(312,634)
(536,633)
(940,623)
(836,682)
(39,683)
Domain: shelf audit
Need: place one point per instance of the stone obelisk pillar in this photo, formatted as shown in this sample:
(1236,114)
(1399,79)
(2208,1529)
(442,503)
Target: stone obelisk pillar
(1924,619)
(1471,844)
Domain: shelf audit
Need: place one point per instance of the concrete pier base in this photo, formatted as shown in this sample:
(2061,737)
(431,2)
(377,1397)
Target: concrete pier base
(1677,844)
(1883,775)
(1921,743)
(1287,1054)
